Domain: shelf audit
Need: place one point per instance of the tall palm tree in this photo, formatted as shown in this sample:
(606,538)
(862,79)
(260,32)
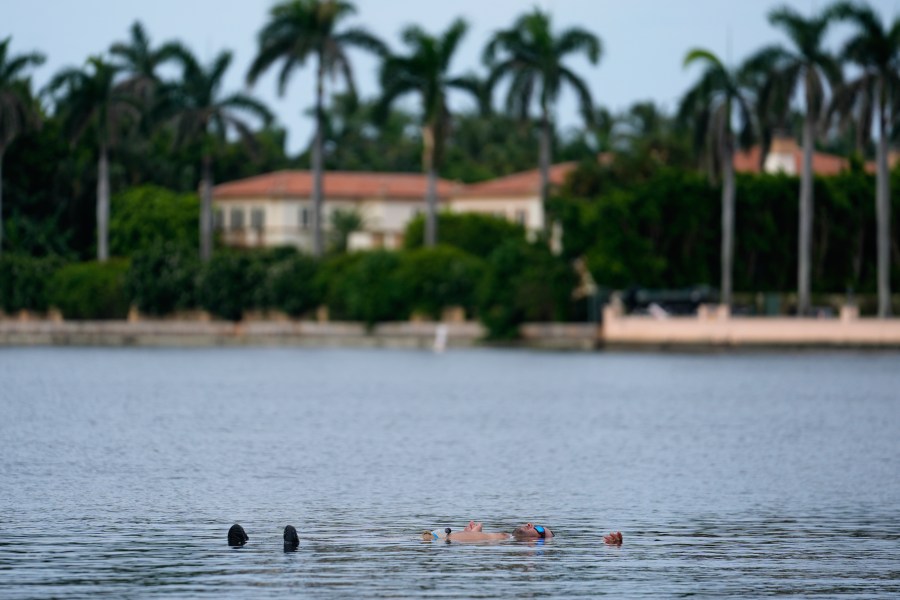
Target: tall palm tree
(810,65)
(296,31)
(424,71)
(875,48)
(531,57)
(18,111)
(712,102)
(202,115)
(140,61)
(92,99)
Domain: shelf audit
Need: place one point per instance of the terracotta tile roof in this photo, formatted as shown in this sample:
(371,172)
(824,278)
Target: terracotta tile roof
(747,161)
(337,184)
(525,183)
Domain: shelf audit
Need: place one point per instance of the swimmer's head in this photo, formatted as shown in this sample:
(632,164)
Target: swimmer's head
(529,531)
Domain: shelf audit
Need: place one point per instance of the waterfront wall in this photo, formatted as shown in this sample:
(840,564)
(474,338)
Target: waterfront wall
(712,328)
(715,327)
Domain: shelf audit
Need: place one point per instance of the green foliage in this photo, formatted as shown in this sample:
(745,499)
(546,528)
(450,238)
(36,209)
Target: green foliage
(363,287)
(163,278)
(144,217)
(435,278)
(524,282)
(656,233)
(91,290)
(230,283)
(24,282)
(343,223)
(291,285)
(487,146)
(663,230)
(473,233)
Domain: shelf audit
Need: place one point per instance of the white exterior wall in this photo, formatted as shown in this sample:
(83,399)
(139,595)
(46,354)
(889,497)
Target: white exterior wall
(384,220)
(780,162)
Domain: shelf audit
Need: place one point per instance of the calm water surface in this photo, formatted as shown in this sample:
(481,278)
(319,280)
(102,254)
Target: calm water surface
(729,475)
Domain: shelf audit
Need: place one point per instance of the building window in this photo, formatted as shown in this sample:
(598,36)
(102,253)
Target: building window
(257,218)
(521,217)
(219,219)
(237,218)
(305,218)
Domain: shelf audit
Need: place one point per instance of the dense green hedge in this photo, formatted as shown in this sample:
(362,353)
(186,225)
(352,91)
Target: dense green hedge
(163,279)
(524,282)
(147,216)
(364,287)
(24,282)
(664,231)
(291,285)
(91,290)
(433,279)
(476,234)
(231,283)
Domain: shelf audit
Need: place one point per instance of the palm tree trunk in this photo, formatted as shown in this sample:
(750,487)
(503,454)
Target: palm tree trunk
(318,248)
(206,209)
(727,220)
(428,145)
(544,156)
(883,215)
(2,152)
(103,205)
(804,249)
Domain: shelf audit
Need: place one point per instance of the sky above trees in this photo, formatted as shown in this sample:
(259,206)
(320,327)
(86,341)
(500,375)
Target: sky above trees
(645,41)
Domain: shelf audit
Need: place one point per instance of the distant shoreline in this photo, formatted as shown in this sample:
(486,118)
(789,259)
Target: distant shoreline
(617,332)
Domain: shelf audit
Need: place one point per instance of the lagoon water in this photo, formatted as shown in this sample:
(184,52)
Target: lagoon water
(739,475)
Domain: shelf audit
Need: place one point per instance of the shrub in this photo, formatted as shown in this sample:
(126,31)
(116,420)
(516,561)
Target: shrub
(24,282)
(330,279)
(363,287)
(91,290)
(147,216)
(163,279)
(291,285)
(476,234)
(432,279)
(523,283)
(231,283)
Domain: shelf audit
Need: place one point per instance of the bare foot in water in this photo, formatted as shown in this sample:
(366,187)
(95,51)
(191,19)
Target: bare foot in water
(473,526)
(613,539)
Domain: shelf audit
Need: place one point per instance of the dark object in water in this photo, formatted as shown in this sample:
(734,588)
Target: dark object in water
(237,536)
(291,539)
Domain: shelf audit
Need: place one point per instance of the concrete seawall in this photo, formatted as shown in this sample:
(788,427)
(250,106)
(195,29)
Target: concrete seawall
(708,330)
(218,333)
(715,327)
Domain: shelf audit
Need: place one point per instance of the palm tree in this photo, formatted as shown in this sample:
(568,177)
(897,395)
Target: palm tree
(140,61)
(712,102)
(18,111)
(296,31)
(811,66)
(424,72)
(876,50)
(93,100)
(531,57)
(205,117)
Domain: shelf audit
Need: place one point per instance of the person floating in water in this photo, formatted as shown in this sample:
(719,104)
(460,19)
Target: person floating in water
(474,532)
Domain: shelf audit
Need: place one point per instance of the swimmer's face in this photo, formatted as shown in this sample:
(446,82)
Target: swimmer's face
(529,531)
